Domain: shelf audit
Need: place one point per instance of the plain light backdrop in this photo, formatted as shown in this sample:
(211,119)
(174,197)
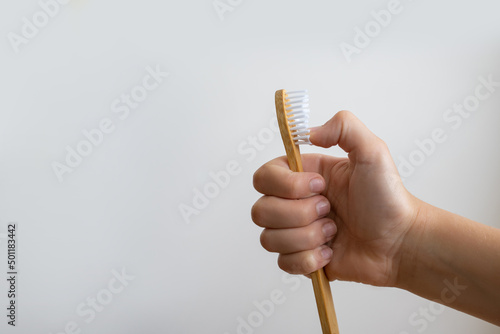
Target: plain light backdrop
(120,207)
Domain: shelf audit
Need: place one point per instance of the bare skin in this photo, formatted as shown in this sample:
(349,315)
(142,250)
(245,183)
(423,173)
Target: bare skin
(354,217)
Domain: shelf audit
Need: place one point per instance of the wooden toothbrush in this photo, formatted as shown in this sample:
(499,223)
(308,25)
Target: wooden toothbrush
(292,109)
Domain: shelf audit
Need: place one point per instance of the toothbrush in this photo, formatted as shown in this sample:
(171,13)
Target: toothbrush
(292,110)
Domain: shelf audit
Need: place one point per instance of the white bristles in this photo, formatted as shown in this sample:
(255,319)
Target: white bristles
(297,112)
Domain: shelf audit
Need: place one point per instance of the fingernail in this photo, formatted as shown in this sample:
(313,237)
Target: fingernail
(326,253)
(316,185)
(322,208)
(329,230)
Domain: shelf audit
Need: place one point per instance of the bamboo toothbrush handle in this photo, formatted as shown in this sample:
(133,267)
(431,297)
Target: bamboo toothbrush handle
(321,285)
(324,301)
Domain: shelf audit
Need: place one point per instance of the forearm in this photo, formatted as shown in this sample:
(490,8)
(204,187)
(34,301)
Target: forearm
(454,261)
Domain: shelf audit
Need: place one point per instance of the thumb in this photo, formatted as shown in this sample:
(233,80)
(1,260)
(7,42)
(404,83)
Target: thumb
(347,131)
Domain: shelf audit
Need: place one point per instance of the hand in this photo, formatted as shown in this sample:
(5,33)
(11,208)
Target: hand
(355,206)
(354,217)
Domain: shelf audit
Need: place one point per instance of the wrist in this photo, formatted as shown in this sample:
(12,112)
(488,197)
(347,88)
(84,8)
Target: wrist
(414,242)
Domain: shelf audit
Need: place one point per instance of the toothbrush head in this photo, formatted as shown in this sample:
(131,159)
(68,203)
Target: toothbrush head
(292,109)
(296,110)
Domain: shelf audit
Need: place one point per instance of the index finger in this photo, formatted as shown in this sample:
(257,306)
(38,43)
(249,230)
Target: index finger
(276,179)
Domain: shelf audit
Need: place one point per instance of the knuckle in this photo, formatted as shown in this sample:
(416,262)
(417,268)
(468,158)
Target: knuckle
(314,237)
(283,265)
(379,152)
(257,179)
(264,241)
(255,213)
(261,178)
(298,214)
(303,219)
(317,237)
(343,115)
(295,183)
(309,264)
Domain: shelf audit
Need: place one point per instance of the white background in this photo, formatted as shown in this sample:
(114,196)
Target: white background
(120,207)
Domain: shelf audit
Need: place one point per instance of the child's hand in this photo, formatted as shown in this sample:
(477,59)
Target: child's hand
(357,206)
(379,233)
